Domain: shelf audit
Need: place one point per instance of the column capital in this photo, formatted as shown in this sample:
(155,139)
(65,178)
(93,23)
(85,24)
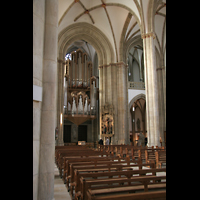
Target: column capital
(160,68)
(61,61)
(100,67)
(147,35)
(121,64)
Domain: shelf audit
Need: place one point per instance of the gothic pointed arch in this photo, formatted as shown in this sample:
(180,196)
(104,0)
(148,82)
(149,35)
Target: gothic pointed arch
(137,40)
(89,33)
(139,96)
(153,4)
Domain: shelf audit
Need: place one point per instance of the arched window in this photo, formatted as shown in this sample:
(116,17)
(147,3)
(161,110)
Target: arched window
(68,56)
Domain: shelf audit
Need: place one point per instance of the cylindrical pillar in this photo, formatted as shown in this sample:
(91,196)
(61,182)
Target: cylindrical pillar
(133,126)
(161,104)
(60,100)
(100,98)
(48,114)
(38,43)
(151,90)
(122,101)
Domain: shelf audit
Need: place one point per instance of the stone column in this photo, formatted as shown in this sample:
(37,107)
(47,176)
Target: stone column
(122,104)
(48,114)
(105,88)
(133,126)
(100,97)
(97,134)
(61,92)
(60,100)
(109,83)
(120,101)
(164,85)
(38,35)
(161,104)
(113,90)
(151,90)
(164,93)
(114,85)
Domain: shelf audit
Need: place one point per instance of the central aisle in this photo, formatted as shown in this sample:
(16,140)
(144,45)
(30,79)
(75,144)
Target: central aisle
(60,190)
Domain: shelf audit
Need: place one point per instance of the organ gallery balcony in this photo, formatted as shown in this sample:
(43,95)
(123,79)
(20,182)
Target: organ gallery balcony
(136,85)
(79,109)
(79,119)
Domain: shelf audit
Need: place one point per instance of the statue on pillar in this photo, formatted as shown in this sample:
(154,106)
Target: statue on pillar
(104,129)
(138,124)
(141,140)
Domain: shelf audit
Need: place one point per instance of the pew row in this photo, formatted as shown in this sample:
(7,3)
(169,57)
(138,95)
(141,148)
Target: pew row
(92,174)
(115,186)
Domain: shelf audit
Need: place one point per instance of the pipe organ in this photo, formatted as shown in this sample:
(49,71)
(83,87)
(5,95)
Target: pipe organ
(80,89)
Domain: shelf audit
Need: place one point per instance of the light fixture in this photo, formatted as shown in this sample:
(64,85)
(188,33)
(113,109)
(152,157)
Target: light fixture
(61,118)
(133,108)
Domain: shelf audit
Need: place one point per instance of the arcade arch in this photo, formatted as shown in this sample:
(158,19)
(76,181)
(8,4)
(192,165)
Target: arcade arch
(137,118)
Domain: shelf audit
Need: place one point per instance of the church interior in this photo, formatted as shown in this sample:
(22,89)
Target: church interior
(99,71)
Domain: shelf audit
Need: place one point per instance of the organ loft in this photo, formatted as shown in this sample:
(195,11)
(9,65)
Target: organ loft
(81,89)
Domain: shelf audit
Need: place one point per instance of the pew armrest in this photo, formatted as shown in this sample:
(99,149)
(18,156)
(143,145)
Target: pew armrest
(73,184)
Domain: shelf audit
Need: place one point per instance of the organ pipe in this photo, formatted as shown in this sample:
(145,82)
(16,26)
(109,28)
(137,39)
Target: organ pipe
(80,87)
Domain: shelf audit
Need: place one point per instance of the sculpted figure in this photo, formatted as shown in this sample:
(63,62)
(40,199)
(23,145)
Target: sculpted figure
(141,140)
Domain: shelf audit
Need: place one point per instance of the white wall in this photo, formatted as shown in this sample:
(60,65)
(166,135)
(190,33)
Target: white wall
(132,93)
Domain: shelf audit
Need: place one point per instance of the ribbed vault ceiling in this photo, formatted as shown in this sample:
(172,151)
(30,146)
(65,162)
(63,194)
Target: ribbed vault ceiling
(119,20)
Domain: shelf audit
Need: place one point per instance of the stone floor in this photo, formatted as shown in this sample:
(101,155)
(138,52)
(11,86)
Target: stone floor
(60,190)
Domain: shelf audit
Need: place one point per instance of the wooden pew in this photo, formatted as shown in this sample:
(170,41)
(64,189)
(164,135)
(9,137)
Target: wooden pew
(139,152)
(91,159)
(93,174)
(72,152)
(90,144)
(119,150)
(83,161)
(160,158)
(150,154)
(70,147)
(104,175)
(113,148)
(120,185)
(136,153)
(101,167)
(59,149)
(122,151)
(158,195)
(78,154)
